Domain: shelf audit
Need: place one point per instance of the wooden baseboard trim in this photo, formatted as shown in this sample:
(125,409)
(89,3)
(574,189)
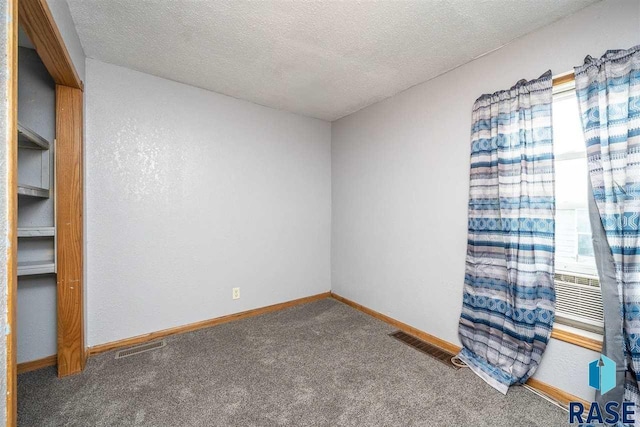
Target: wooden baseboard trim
(560,396)
(445,345)
(552,392)
(37,364)
(128,342)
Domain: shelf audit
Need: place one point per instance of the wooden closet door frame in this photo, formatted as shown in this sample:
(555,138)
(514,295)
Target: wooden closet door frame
(12,182)
(37,21)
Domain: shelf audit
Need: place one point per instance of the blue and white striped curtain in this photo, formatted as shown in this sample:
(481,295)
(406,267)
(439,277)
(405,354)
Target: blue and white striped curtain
(608,92)
(509,297)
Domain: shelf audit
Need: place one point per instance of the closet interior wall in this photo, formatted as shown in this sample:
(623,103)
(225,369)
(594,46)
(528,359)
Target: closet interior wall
(36,310)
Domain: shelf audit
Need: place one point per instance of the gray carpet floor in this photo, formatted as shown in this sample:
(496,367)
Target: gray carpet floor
(319,364)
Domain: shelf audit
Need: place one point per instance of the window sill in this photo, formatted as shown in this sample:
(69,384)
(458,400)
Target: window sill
(577,338)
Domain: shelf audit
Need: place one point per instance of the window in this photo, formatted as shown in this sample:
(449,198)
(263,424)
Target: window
(578,298)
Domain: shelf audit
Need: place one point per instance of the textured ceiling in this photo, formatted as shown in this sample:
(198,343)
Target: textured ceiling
(323,59)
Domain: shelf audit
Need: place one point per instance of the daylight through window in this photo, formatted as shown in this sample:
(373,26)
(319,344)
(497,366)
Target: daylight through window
(579,301)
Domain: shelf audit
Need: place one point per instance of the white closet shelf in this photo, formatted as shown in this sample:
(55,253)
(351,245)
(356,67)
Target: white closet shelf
(31,191)
(36,231)
(30,268)
(29,139)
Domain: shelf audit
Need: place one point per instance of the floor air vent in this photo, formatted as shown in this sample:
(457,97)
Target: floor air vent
(431,350)
(142,348)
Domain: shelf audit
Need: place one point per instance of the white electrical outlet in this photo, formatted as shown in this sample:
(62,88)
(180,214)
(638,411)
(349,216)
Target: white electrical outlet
(236,293)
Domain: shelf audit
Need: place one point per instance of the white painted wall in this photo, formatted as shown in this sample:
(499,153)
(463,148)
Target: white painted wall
(189,194)
(400,171)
